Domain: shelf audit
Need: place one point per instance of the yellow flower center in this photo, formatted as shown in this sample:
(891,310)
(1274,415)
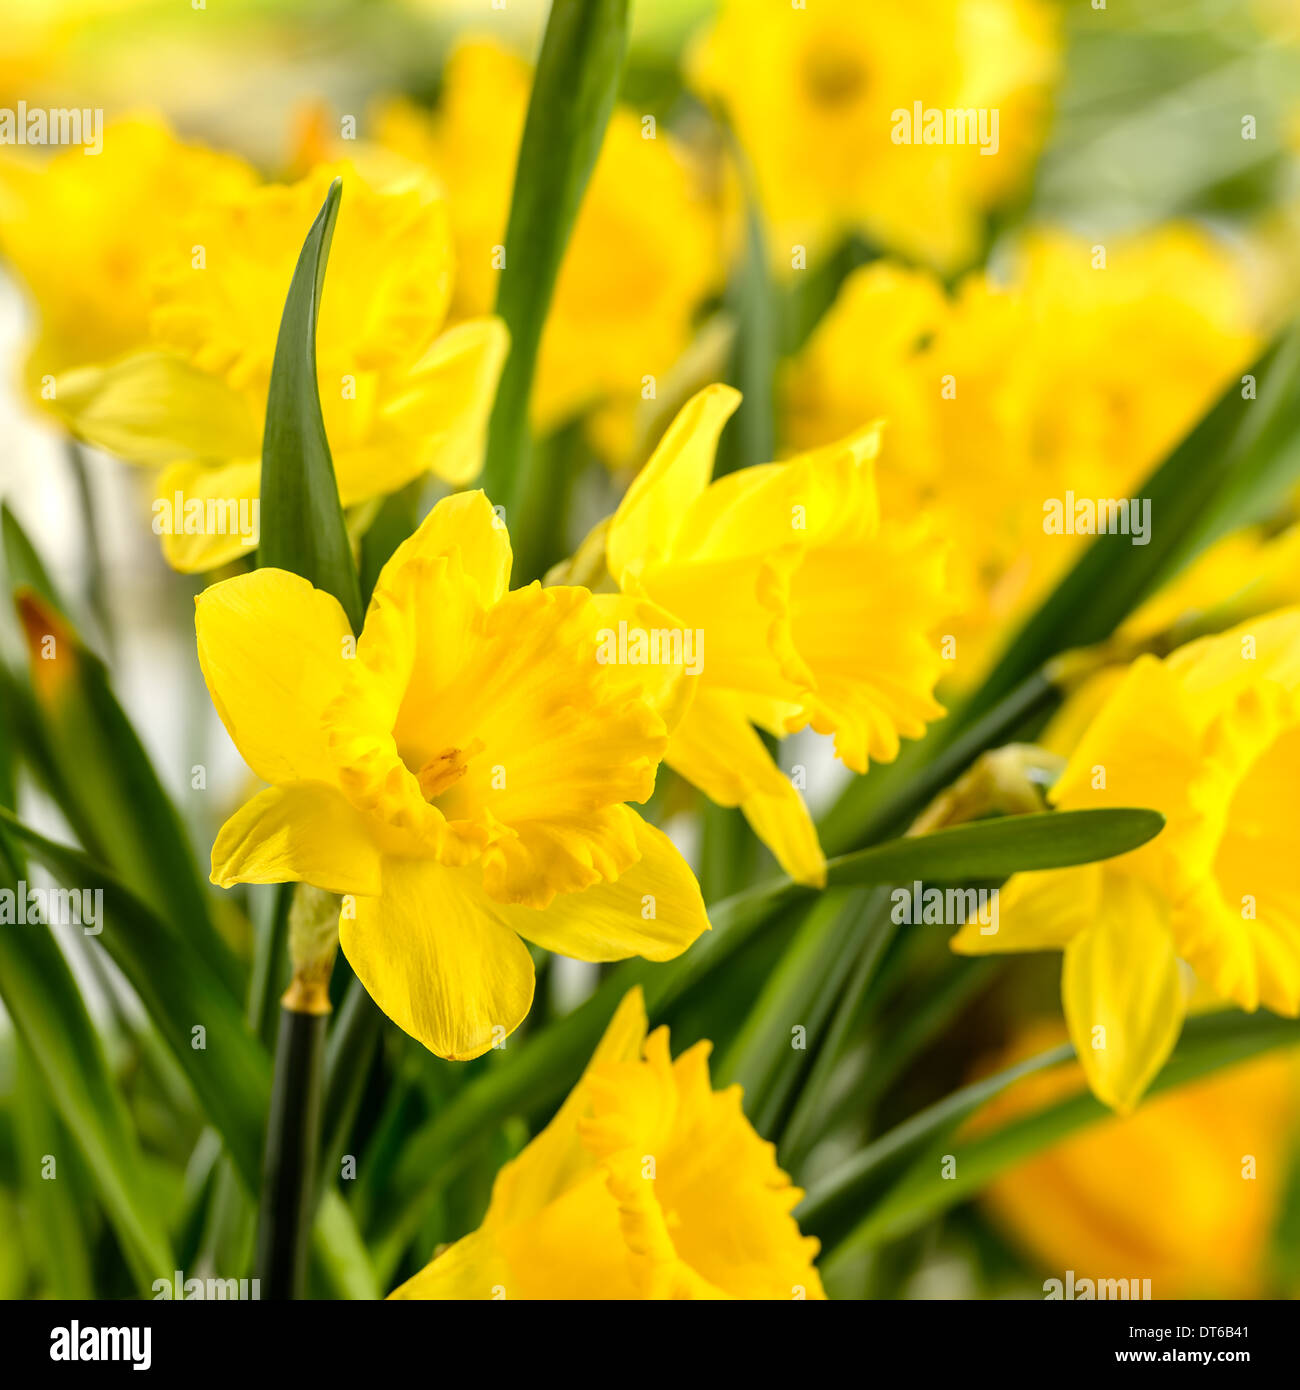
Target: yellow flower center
(834,78)
(445,768)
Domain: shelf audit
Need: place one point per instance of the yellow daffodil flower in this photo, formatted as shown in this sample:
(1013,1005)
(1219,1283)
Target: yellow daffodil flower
(643,253)
(1186,1192)
(647,1184)
(1067,377)
(83,234)
(809,611)
(460,772)
(1210,737)
(825,98)
(178,379)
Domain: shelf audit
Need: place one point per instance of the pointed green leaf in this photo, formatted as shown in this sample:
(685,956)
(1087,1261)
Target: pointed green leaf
(106,786)
(996,849)
(45,1005)
(301,521)
(230,1073)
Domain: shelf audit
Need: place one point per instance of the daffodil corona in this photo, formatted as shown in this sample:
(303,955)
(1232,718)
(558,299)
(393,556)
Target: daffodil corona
(459,773)
(647,1184)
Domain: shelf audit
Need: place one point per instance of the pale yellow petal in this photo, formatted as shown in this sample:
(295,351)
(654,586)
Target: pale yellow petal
(207,516)
(155,408)
(436,421)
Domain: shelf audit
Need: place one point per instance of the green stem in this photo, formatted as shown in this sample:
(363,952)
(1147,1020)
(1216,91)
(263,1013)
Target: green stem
(292,1147)
(96,581)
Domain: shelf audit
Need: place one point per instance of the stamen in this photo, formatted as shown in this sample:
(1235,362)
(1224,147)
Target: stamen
(440,772)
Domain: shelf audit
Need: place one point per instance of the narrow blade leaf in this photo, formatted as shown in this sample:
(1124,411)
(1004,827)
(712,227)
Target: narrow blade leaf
(302,526)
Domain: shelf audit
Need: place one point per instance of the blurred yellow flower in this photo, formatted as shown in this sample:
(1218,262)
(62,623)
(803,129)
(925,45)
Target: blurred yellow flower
(84,235)
(647,1184)
(39,35)
(809,612)
(1069,378)
(824,100)
(172,369)
(1210,737)
(461,770)
(643,254)
(1217,1152)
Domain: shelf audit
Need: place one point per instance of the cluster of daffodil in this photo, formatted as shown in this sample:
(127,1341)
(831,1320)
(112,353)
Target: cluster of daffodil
(466,777)
(159,348)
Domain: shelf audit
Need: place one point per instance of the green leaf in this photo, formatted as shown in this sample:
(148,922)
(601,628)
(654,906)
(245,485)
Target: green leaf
(749,437)
(23,566)
(996,849)
(576,81)
(230,1073)
(55,1221)
(802,990)
(301,522)
(107,788)
(1208,1043)
(47,1011)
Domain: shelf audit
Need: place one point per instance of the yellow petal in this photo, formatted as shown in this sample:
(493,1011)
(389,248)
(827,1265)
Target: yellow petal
(438,966)
(716,1221)
(1144,748)
(716,748)
(677,473)
(473,1268)
(669,683)
(652,909)
(1122,992)
(552,1162)
(306,832)
(222,504)
(1040,911)
(464,522)
(272,652)
(437,420)
(155,408)
(537,860)
(529,694)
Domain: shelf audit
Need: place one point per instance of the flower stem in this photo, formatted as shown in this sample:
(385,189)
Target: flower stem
(292,1144)
(292,1156)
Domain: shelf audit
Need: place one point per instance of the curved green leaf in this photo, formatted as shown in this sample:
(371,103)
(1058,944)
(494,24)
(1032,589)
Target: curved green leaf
(106,786)
(230,1071)
(999,848)
(47,1010)
(301,522)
